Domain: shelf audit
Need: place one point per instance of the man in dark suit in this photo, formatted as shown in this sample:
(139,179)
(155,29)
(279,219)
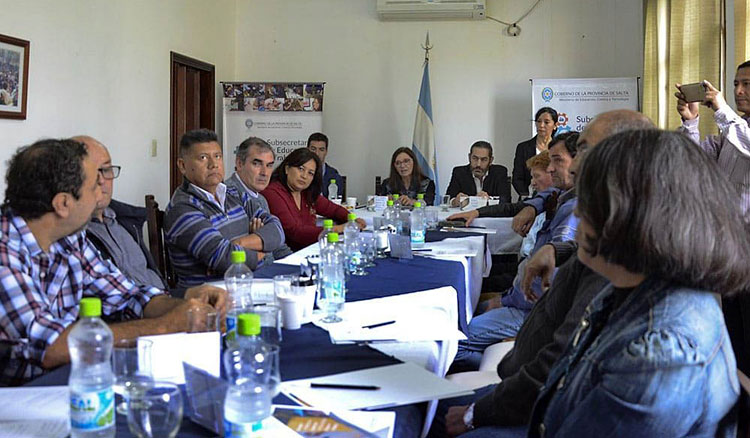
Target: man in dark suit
(480,177)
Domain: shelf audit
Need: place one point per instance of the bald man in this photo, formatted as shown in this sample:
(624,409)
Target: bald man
(505,408)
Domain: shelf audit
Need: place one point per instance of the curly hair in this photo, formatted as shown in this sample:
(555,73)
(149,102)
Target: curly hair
(38,172)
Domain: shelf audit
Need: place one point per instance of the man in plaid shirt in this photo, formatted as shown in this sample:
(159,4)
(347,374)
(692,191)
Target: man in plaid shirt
(47,265)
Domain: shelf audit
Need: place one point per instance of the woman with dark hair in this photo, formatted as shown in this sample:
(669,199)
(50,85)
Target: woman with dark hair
(546,127)
(294,197)
(406,179)
(651,355)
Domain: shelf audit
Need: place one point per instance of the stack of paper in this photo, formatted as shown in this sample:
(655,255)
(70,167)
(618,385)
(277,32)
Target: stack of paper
(34,411)
(202,350)
(398,385)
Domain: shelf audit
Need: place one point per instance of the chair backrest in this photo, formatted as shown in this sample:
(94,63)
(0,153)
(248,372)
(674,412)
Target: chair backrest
(343,189)
(156,244)
(378,181)
(743,426)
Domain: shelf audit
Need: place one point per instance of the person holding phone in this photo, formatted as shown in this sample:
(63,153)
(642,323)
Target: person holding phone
(731,148)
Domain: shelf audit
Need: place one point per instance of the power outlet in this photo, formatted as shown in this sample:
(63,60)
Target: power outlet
(153,147)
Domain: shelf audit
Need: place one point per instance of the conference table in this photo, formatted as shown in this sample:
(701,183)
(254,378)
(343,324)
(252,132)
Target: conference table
(308,351)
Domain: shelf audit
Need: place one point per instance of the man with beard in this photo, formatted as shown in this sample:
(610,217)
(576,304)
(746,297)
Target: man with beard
(480,177)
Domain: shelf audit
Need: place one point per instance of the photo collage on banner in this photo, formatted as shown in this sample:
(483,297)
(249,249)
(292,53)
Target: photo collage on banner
(282,113)
(578,101)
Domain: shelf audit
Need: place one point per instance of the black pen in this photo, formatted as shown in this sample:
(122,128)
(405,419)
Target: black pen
(380,324)
(343,386)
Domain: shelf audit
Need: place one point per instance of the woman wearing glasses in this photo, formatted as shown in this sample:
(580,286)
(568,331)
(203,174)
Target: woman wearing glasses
(406,179)
(546,127)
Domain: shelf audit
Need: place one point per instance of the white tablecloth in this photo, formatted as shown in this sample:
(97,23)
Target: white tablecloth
(504,241)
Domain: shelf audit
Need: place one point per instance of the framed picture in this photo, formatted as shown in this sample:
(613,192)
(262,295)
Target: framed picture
(14,77)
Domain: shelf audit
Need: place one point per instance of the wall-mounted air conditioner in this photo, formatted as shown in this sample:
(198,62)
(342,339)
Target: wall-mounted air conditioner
(431,9)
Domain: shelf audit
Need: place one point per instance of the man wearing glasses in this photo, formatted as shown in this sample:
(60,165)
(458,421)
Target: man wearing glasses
(115,227)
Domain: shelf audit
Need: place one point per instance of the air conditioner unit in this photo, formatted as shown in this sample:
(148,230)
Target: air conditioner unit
(406,10)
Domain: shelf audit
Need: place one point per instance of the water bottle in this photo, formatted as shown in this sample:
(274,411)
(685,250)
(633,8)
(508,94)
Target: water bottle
(239,282)
(351,229)
(417,226)
(323,236)
(252,380)
(351,248)
(332,279)
(396,203)
(333,190)
(92,398)
(389,217)
(420,198)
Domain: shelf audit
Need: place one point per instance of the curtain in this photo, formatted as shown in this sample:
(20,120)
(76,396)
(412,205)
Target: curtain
(683,43)
(741,32)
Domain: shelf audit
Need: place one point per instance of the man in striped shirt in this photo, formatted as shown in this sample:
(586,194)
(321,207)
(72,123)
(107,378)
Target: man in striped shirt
(206,220)
(47,265)
(731,148)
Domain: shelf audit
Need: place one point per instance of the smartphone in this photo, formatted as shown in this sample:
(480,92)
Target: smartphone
(694,92)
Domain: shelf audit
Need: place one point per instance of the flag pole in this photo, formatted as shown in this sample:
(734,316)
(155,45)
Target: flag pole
(427,47)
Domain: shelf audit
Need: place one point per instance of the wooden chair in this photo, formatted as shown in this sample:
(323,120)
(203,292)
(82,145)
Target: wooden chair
(343,189)
(157,246)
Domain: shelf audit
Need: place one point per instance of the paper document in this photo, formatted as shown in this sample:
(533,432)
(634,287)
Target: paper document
(399,385)
(299,257)
(34,411)
(202,350)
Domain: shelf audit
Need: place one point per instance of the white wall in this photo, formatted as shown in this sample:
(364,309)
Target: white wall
(102,68)
(479,76)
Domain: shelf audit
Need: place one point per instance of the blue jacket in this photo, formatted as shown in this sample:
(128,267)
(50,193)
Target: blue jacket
(660,363)
(558,228)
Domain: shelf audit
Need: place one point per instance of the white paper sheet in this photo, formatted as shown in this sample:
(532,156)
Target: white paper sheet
(202,350)
(34,411)
(400,384)
(298,258)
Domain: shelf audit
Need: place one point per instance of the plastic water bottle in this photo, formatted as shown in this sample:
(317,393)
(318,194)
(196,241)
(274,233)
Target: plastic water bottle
(351,233)
(420,198)
(333,190)
(389,217)
(396,203)
(252,384)
(323,236)
(417,226)
(239,282)
(351,229)
(332,278)
(92,398)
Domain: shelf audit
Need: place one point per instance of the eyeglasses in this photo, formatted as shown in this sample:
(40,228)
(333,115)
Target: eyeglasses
(110,172)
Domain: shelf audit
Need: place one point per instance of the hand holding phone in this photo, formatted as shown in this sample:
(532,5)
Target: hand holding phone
(694,92)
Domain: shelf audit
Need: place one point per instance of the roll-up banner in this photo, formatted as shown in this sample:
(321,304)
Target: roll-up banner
(578,101)
(282,113)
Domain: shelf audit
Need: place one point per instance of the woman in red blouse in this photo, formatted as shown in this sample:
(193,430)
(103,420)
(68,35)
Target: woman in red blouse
(294,197)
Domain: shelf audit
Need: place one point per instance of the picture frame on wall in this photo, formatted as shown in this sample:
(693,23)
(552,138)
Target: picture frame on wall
(14,77)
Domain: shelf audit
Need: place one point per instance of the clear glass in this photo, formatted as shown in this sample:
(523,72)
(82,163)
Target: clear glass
(156,411)
(131,367)
(282,285)
(200,320)
(445,202)
(358,260)
(381,243)
(370,250)
(431,217)
(270,323)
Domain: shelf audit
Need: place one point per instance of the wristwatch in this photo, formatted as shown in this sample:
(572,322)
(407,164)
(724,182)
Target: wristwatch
(469,417)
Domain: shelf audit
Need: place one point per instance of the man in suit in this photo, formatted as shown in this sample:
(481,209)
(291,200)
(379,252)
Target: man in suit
(480,177)
(318,144)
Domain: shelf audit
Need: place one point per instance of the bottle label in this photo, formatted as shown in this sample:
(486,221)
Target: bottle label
(231,327)
(417,236)
(92,411)
(236,430)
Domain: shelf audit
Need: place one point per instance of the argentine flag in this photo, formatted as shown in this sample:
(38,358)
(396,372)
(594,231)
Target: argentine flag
(423,144)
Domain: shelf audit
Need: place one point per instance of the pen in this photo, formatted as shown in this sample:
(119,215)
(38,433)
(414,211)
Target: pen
(421,250)
(380,324)
(344,386)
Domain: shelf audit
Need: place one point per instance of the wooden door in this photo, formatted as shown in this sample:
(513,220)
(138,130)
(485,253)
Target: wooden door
(192,105)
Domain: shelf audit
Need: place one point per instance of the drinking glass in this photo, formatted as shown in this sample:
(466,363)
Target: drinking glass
(156,411)
(131,366)
(357,258)
(369,252)
(445,202)
(200,320)
(381,243)
(431,216)
(270,323)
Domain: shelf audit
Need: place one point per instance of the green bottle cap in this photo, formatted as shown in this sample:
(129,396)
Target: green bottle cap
(327,223)
(248,324)
(417,204)
(420,195)
(390,203)
(352,217)
(333,237)
(90,307)
(333,181)
(238,257)
(395,196)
